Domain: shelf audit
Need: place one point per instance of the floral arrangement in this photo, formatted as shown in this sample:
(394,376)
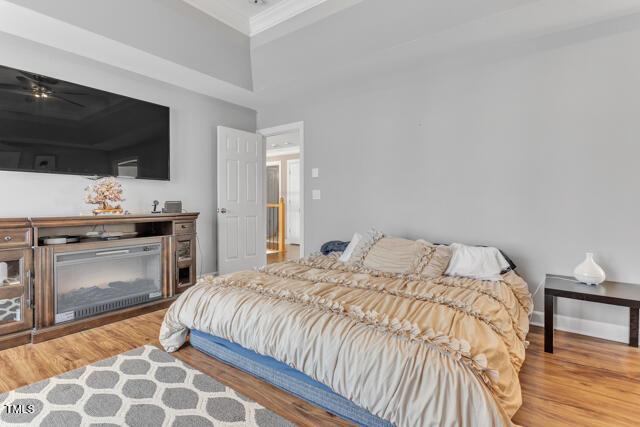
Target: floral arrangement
(105,192)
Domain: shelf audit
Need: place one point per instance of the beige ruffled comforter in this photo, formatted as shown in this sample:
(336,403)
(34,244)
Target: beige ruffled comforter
(446,351)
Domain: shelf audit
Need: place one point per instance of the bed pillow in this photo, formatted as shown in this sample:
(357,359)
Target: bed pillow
(477,262)
(361,249)
(348,252)
(402,256)
(333,246)
(392,255)
(512,265)
(432,260)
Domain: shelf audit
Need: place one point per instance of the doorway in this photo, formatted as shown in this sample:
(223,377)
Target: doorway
(284,191)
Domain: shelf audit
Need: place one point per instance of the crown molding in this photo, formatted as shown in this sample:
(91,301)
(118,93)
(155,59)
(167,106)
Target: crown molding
(224,13)
(268,18)
(278,13)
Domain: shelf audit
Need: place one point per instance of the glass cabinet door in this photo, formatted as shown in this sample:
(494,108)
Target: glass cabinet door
(185,263)
(15,291)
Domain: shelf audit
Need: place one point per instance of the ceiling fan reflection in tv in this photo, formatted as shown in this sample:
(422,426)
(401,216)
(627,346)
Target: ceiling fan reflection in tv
(49,125)
(38,87)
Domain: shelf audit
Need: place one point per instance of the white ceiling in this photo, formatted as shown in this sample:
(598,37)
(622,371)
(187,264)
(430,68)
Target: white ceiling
(282,144)
(252,18)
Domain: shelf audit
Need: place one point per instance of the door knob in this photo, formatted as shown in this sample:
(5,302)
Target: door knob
(222,210)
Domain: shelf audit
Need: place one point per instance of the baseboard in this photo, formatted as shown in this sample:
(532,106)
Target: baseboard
(592,328)
(15,339)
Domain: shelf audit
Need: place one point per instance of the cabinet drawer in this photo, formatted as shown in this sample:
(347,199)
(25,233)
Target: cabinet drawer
(184,227)
(15,238)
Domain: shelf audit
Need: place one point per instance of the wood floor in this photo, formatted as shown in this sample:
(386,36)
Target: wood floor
(586,382)
(291,252)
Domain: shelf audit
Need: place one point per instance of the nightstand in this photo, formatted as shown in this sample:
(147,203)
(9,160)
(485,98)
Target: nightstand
(614,293)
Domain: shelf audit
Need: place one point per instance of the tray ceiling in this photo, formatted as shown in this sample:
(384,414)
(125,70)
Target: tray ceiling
(252,17)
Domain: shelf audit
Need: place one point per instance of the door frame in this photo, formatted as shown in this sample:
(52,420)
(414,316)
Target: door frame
(287,128)
(287,162)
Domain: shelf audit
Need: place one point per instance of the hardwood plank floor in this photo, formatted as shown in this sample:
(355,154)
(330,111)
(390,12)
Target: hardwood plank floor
(291,252)
(586,382)
(34,362)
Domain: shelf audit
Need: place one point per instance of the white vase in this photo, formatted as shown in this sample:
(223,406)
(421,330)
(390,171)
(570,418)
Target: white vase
(589,272)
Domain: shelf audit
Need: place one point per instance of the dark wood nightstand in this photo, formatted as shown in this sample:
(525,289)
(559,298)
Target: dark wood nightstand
(615,293)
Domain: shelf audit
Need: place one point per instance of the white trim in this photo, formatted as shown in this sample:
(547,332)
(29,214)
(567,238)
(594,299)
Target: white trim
(222,11)
(252,25)
(285,151)
(592,328)
(288,162)
(23,22)
(288,128)
(277,130)
(303,20)
(278,13)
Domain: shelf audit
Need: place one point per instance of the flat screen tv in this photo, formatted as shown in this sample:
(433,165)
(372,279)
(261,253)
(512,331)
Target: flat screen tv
(53,126)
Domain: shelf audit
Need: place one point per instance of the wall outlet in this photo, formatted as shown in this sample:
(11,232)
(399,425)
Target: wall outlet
(315,194)
(315,172)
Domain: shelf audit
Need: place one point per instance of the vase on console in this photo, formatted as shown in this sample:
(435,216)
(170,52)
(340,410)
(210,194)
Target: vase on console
(589,271)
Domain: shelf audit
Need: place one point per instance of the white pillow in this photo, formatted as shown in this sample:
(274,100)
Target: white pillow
(476,262)
(346,255)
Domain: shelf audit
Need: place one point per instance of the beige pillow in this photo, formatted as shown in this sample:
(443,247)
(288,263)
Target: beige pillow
(392,255)
(432,261)
(364,245)
(401,256)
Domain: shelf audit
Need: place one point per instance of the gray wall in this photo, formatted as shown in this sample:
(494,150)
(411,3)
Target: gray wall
(193,140)
(360,39)
(170,29)
(534,152)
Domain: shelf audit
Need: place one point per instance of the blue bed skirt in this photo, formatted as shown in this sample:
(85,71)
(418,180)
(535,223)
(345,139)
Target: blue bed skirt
(284,377)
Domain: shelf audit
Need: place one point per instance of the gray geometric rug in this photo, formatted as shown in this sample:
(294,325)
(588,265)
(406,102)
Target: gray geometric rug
(143,387)
(10,309)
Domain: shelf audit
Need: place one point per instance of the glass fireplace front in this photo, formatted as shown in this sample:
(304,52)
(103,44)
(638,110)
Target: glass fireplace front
(96,281)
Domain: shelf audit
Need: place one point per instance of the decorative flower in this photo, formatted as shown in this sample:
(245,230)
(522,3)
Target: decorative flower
(104,191)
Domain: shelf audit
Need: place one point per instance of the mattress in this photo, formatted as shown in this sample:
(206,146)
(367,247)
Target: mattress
(284,377)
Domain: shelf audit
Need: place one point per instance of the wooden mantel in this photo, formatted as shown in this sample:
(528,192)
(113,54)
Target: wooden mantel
(66,221)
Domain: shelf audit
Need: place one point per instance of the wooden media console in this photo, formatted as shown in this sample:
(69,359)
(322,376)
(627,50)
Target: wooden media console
(121,266)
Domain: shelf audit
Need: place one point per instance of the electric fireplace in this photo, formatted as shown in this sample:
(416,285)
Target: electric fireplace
(95,281)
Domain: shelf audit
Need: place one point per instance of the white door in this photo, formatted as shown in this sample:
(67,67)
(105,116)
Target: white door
(241,207)
(293,202)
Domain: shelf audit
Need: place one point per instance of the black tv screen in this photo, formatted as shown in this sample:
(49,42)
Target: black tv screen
(53,126)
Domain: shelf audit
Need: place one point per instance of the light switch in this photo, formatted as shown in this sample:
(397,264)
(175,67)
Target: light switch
(315,194)
(315,173)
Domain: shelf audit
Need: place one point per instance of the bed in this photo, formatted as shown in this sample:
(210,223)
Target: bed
(404,348)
